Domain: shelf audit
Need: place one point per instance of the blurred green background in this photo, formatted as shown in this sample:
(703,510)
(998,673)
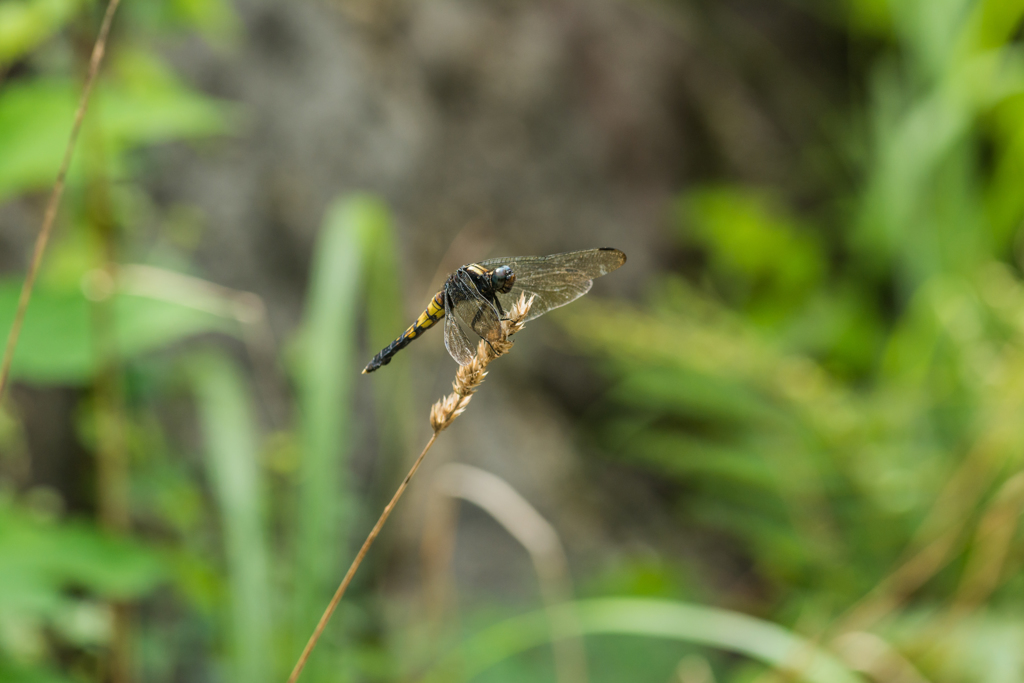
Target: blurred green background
(784,442)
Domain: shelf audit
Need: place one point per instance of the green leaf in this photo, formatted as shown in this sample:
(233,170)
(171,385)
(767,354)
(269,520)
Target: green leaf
(763,255)
(35,123)
(385,313)
(24,25)
(52,572)
(326,370)
(143,102)
(58,340)
(139,102)
(216,19)
(39,561)
(233,465)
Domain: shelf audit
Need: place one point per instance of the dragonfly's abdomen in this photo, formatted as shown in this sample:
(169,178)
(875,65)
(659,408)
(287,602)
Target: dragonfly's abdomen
(428,318)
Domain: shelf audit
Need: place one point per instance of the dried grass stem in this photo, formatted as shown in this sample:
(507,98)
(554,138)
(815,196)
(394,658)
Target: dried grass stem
(98,50)
(442,414)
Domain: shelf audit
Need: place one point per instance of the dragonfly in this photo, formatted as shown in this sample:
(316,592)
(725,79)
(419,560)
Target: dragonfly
(476,297)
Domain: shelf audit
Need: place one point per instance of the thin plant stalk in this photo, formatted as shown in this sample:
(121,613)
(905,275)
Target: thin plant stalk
(937,539)
(986,563)
(467,380)
(870,654)
(991,547)
(98,50)
(119,661)
(112,472)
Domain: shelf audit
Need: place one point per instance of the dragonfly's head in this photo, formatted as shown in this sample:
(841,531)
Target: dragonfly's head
(502,279)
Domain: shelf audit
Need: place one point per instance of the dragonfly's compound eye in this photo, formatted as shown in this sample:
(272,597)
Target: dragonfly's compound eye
(502,279)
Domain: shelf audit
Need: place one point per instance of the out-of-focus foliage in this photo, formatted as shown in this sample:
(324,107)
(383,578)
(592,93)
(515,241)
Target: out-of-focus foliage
(23,25)
(324,358)
(842,396)
(59,342)
(54,579)
(234,472)
(833,395)
(141,104)
(715,628)
(61,579)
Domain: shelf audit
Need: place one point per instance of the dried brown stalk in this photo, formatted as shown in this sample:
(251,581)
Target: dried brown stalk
(937,540)
(442,414)
(118,657)
(98,51)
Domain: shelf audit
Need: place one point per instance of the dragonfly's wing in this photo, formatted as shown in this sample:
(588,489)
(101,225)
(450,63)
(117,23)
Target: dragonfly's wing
(464,304)
(455,340)
(557,279)
(546,295)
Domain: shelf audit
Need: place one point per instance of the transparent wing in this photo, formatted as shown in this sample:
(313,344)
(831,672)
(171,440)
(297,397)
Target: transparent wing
(546,295)
(557,279)
(455,340)
(464,304)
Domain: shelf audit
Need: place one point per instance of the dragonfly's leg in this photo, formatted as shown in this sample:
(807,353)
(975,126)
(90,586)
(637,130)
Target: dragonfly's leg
(497,304)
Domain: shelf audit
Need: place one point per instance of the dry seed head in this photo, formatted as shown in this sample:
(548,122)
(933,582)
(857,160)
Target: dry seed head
(470,376)
(517,316)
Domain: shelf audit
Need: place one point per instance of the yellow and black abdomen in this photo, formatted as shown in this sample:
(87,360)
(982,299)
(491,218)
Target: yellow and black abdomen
(427,319)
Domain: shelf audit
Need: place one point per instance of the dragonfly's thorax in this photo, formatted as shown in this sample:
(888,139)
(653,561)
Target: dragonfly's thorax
(491,281)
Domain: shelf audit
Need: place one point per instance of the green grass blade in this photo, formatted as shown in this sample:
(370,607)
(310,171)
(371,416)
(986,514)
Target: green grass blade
(326,370)
(226,417)
(385,320)
(708,626)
